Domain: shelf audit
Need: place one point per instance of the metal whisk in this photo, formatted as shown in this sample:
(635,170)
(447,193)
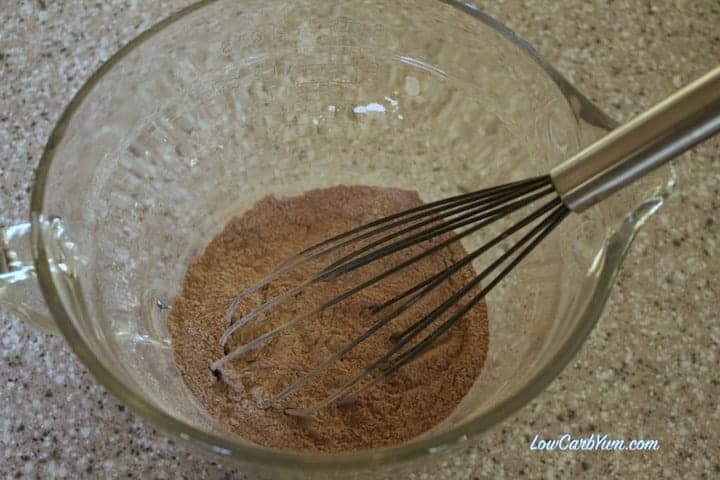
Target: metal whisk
(671,127)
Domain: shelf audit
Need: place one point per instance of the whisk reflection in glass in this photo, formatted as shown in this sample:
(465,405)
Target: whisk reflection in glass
(671,127)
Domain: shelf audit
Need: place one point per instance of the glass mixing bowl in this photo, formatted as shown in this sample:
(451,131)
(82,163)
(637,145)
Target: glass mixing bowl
(226,102)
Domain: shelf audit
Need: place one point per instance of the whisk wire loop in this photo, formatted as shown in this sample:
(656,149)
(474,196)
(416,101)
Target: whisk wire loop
(440,223)
(395,358)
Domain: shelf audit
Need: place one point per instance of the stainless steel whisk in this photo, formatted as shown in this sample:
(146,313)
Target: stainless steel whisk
(671,127)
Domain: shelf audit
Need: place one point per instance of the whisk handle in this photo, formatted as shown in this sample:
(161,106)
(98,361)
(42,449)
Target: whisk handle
(649,140)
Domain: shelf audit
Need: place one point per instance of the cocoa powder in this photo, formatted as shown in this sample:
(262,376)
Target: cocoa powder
(419,396)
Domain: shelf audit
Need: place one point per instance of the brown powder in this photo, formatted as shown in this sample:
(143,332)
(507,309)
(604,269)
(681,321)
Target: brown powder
(416,398)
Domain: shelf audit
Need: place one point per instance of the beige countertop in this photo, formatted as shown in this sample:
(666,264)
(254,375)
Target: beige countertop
(649,370)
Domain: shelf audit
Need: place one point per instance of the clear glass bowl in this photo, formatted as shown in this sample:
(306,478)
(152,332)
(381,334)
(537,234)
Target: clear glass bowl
(226,102)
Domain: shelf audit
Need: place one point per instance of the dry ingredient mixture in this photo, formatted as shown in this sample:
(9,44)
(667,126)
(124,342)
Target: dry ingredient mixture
(418,397)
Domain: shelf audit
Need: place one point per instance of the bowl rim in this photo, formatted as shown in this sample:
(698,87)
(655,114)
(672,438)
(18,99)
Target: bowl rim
(246,453)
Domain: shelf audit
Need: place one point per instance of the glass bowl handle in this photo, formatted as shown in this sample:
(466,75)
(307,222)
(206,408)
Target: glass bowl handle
(19,289)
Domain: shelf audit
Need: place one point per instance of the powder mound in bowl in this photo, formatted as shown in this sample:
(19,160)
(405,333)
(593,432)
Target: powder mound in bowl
(416,398)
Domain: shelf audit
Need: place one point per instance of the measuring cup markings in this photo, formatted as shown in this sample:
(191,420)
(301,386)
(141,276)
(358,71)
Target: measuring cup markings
(339,33)
(296,97)
(321,72)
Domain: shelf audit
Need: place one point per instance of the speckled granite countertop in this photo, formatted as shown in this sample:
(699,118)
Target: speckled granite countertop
(649,369)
